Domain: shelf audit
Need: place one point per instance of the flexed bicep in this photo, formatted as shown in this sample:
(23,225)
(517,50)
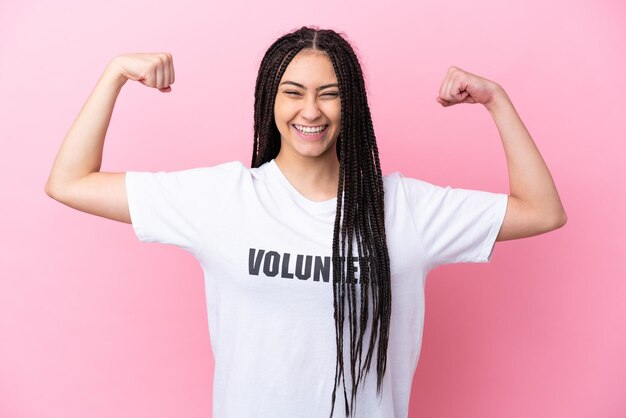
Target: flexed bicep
(522,220)
(102,194)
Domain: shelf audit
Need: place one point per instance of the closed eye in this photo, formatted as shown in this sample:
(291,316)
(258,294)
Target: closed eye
(295,93)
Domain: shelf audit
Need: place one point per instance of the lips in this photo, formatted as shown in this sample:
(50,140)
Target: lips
(310,136)
(308,129)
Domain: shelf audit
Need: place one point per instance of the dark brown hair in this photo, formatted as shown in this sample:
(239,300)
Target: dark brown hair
(360,199)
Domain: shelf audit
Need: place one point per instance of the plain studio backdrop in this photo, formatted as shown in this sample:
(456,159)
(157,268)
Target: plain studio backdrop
(94,323)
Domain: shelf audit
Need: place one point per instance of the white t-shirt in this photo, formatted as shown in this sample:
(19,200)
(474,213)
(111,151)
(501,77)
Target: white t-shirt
(265,252)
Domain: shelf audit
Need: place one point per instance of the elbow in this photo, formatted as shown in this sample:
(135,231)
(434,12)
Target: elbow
(559,221)
(563,219)
(48,189)
(52,190)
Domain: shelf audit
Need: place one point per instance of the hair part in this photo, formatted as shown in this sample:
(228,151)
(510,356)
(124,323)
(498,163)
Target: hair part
(359,216)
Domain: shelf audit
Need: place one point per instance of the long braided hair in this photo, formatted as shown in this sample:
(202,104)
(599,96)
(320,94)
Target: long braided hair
(360,210)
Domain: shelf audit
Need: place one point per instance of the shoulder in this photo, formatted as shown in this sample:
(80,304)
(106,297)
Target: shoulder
(225,169)
(396,183)
(195,172)
(218,174)
(186,182)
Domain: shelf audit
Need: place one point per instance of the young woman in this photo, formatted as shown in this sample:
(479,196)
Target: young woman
(312,245)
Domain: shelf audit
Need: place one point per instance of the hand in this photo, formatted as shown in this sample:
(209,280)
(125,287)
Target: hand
(462,87)
(152,70)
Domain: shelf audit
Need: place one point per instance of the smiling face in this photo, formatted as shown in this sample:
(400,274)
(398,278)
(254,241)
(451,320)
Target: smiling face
(307,109)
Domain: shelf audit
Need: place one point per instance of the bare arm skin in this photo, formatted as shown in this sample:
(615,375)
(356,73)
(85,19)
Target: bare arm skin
(534,206)
(75,179)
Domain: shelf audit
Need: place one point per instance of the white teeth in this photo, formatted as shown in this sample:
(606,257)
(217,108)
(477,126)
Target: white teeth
(308,130)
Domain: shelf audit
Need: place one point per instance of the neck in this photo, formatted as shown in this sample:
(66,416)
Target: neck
(316,178)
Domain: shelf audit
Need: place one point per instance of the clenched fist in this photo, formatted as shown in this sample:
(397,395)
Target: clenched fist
(150,69)
(461,86)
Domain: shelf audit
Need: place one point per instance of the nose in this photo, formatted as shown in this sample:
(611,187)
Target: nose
(311,110)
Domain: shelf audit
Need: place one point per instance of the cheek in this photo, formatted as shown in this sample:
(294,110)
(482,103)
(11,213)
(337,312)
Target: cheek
(279,120)
(337,120)
(282,112)
(335,113)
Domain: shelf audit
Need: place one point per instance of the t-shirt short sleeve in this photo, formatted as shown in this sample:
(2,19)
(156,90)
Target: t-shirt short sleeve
(455,225)
(172,207)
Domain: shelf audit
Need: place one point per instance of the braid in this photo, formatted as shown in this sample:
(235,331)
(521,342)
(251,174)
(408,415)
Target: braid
(273,64)
(359,217)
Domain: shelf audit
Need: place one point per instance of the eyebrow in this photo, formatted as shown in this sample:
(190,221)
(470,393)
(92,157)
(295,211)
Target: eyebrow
(302,87)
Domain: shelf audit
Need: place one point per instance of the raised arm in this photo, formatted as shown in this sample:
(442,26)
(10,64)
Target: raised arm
(534,206)
(75,179)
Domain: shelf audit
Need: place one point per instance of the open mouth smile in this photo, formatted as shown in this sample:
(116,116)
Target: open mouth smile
(310,130)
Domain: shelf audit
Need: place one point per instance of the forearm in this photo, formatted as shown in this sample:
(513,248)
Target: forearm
(81,151)
(529,177)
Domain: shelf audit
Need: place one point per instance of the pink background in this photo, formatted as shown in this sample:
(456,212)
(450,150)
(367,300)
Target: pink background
(94,323)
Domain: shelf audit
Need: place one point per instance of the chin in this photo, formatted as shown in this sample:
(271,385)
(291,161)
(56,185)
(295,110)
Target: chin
(316,153)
